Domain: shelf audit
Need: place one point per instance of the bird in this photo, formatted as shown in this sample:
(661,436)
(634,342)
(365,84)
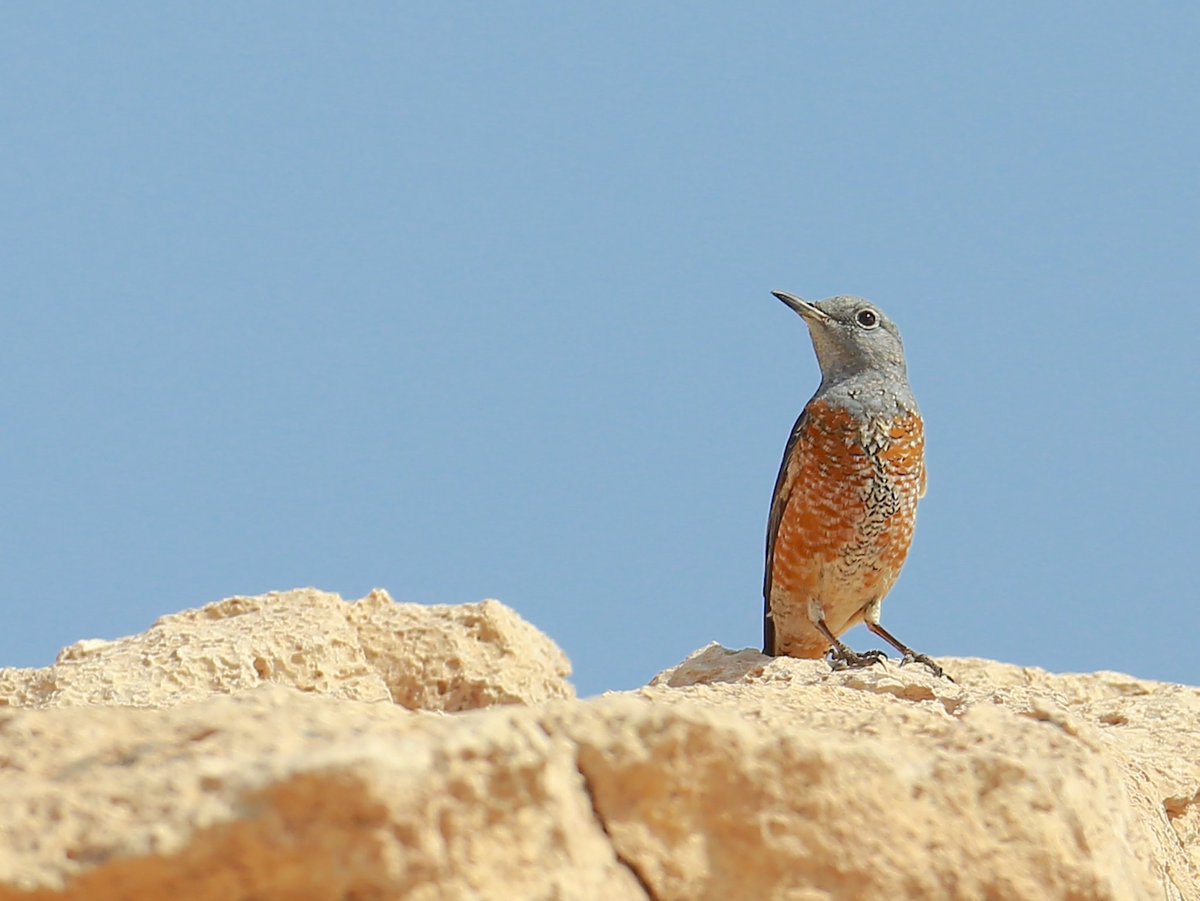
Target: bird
(845,501)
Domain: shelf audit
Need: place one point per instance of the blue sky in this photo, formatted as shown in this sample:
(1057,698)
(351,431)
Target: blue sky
(472,301)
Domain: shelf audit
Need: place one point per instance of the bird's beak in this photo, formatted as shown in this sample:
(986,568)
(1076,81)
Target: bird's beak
(803,307)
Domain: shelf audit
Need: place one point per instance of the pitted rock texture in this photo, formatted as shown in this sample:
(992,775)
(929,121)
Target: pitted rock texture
(421,657)
(272,793)
(731,776)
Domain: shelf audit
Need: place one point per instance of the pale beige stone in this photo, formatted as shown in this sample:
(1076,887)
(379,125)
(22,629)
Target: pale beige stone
(1014,783)
(272,793)
(731,776)
(433,658)
(459,657)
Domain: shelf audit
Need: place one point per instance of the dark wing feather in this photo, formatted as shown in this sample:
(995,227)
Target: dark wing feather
(783,490)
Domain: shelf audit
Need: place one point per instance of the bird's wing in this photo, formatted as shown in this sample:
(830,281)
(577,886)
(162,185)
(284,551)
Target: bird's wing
(779,500)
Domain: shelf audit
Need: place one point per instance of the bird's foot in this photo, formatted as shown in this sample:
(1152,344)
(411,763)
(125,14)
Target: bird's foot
(841,657)
(926,661)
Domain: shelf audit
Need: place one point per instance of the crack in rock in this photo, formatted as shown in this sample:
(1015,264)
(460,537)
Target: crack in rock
(621,859)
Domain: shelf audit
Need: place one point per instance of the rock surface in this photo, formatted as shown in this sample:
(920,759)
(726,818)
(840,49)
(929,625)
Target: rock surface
(429,658)
(274,747)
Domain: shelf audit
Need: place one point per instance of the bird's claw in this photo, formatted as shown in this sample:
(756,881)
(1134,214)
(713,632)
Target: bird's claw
(926,661)
(845,658)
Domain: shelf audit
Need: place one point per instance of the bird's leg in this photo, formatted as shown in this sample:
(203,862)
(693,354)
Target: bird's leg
(910,655)
(840,656)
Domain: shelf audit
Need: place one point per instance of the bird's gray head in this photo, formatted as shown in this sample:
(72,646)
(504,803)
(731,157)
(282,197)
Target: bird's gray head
(851,336)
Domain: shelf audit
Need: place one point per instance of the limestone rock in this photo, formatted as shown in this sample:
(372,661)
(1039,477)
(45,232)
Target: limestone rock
(887,782)
(730,776)
(272,793)
(458,657)
(432,658)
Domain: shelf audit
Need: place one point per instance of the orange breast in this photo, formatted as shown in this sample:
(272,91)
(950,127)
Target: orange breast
(845,531)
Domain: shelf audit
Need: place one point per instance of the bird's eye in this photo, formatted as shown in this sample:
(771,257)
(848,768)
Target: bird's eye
(867,318)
